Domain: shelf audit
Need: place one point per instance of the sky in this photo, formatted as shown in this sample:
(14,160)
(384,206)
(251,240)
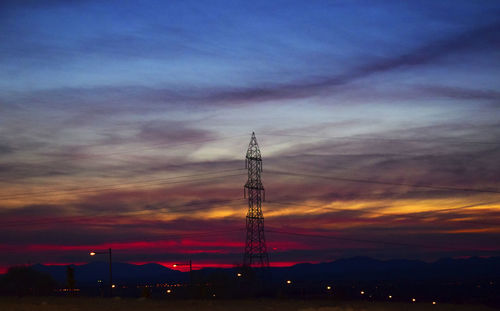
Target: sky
(125,124)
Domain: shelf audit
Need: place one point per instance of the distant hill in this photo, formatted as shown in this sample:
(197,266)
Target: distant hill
(123,272)
(368,269)
(351,269)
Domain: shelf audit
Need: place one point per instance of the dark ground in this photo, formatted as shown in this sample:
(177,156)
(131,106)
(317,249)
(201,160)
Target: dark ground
(118,304)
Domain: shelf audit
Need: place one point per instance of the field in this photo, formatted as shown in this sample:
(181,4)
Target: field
(117,304)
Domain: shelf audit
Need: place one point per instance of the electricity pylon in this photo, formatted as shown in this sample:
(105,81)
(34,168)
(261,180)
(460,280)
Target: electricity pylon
(255,246)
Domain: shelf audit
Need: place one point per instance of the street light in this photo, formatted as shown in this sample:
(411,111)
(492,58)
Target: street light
(190,270)
(111,285)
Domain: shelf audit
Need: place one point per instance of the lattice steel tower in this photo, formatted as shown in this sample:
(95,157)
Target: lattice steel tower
(255,247)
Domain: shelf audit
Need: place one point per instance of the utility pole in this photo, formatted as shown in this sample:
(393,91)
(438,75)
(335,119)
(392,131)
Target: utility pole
(255,246)
(110,269)
(110,275)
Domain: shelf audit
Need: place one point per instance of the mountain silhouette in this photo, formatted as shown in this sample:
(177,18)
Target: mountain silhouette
(468,280)
(350,269)
(122,272)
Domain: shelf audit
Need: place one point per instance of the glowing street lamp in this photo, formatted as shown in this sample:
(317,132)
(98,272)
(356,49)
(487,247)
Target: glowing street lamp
(190,264)
(111,285)
(184,264)
(288,282)
(239,275)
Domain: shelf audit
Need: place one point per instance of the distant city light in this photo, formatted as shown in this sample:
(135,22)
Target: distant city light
(433,302)
(328,287)
(239,274)
(213,295)
(174,265)
(113,286)
(92,253)
(413,299)
(362,292)
(390,296)
(68,289)
(169,291)
(288,282)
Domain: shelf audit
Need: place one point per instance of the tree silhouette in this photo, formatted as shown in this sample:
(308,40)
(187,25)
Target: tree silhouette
(24,281)
(70,279)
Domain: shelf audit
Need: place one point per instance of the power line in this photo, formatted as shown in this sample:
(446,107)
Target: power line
(58,161)
(369,241)
(199,235)
(180,208)
(386,182)
(315,206)
(107,189)
(159,181)
(203,234)
(113,186)
(91,216)
(152,147)
(422,215)
(383,139)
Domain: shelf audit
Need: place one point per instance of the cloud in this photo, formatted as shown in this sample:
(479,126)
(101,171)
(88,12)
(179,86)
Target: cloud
(162,238)
(6,149)
(143,141)
(38,4)
(20,214)
(135,98)
(70,130)
(408,159)
(458,92)
(159,131)
(476,39)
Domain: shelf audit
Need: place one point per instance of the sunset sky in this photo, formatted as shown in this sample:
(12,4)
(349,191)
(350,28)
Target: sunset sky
(125,124)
